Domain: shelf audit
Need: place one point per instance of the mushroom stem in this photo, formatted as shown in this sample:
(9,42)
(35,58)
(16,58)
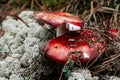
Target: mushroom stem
(61,31)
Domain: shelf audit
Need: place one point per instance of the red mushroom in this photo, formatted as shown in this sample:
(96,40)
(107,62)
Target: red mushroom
(114,33)
(85,46)
(58,19)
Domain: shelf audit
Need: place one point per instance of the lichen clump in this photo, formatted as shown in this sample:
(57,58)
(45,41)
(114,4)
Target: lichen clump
(20,45)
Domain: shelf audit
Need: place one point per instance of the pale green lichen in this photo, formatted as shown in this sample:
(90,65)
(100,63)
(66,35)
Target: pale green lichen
(20,45)
(82,74)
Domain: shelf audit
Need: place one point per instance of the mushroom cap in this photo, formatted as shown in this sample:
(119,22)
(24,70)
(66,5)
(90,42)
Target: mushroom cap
(114,32)
(58,18)
(84,46)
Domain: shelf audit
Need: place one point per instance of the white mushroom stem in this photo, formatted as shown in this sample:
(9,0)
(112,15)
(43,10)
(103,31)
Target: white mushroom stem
(61,30)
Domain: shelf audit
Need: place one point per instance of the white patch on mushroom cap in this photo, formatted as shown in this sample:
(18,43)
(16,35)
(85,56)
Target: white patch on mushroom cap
(72,27)
(85,55)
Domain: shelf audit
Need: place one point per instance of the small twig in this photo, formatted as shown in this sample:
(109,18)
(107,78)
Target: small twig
(115,14)
(79,63)
(113,19)
(2,31)
(6,6)
(96,59)
(24,5)
(100,70)
(93,10)
(115,57)
(49,30)
(69,59)
(107,10)
(67,7)
(95,18)
(40,6)
(22,21)
(32,3)
(94,73)
(91,13)
(116,71)
(16,12)
(105,66)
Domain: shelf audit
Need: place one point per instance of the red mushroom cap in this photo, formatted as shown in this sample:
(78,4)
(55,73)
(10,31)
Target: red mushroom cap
(114,33)
(58,18)
(85,45)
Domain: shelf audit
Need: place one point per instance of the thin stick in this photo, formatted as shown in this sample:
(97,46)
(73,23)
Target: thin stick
(96,58)
(32,3)
(40,6)
(116,71)
(60,78)
(115,14)
(91,12)
(22,21)
(111,59)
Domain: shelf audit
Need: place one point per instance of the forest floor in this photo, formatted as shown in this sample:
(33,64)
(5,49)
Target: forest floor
(21,55)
